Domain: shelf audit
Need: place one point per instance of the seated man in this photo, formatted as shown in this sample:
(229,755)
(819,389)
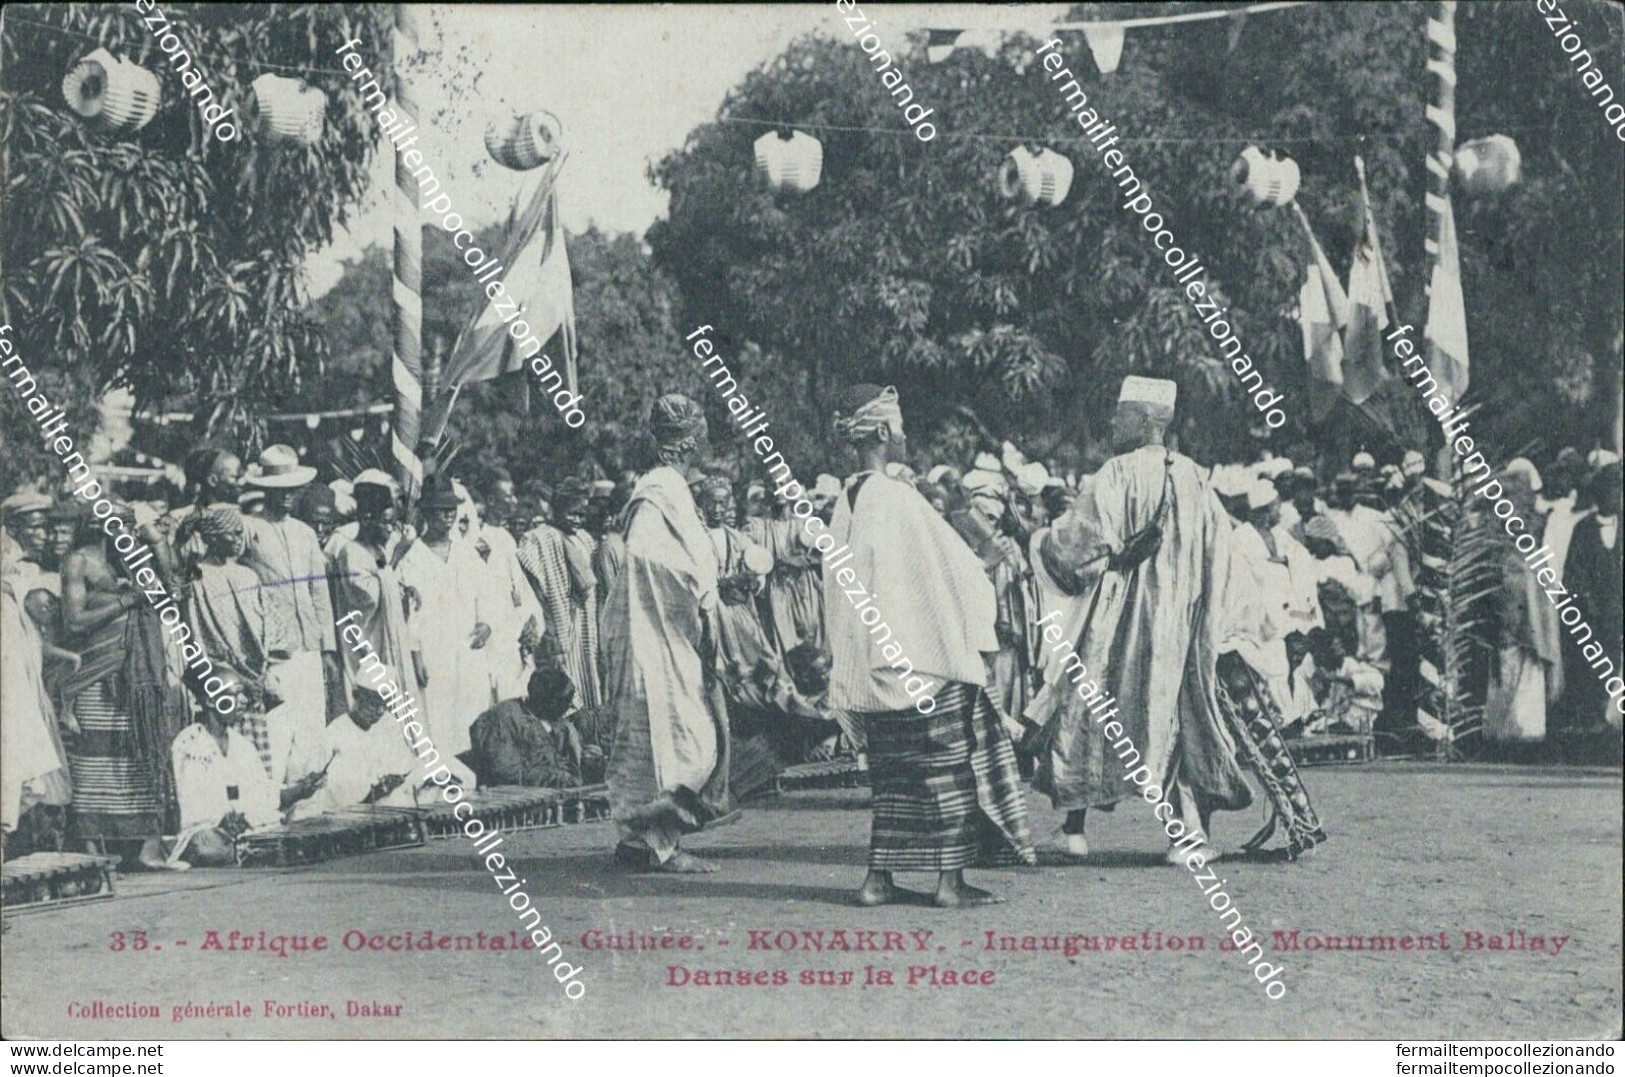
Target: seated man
(1349,690)
(223,787)
(367,761)
(527,741)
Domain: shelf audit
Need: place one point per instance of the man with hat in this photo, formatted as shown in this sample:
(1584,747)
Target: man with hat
(1150,646)
(286,555)
(668,773)
(441,573)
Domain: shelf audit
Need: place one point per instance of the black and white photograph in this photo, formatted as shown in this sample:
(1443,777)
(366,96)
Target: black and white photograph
(812,522)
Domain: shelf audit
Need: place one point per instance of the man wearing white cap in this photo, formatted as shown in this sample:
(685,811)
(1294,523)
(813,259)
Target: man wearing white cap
(287,556)
(1150,646)
(1271,594)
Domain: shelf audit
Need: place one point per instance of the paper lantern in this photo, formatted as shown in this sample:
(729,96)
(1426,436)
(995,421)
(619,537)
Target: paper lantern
(525,141)
(1488,165)
(113,94)
(291,108)
(1268,180)
(1037,177)
(790,162)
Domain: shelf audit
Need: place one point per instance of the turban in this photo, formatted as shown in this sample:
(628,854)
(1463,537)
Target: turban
(221,528)
(1364,461)
(1414,463)
(865,419)
(712,486)
(827,486)
(1318,527)
(676,422)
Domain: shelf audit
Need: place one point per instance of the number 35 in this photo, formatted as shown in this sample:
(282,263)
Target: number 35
(137,941)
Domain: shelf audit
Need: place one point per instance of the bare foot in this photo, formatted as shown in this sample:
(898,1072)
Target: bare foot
(1177,855)
(873,893)
(963,896)
(683,863)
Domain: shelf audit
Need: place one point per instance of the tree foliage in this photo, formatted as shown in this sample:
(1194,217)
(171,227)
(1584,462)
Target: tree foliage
(905,266)
(166,260)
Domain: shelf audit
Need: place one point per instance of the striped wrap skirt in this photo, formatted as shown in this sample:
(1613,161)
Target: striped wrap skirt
(947,793)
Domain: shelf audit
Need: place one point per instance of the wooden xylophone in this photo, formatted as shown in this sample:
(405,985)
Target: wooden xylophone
(1325,749)
(361,829)
(41,879)
(834,774)
(513,808)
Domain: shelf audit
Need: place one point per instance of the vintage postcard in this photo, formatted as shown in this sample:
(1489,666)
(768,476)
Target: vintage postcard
(812,521)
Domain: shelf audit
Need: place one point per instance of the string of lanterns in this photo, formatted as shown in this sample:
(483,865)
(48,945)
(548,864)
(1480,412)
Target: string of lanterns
(118,96)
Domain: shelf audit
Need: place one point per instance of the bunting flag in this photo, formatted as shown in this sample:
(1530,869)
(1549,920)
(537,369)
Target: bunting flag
(1323,310)
(1369,297)
(1106,43)
(1444,343)
(538,301)
(939,44)
(990,22)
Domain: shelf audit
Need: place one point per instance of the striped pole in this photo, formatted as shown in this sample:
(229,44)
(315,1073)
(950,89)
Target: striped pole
(1442,115)
(406,294)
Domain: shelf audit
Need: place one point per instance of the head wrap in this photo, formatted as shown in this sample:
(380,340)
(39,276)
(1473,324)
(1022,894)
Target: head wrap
(677,423)
(827,486)
(1414,463)
(865,419)
(1318,527)
(1364,461)
(1261,494)
(937,474)
(221,528)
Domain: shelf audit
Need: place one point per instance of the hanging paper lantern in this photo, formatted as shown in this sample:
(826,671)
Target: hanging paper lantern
(111,93)
(525,141)
(1037,177)
(790,161)
(1488,165)
(1268,180)
(292,109)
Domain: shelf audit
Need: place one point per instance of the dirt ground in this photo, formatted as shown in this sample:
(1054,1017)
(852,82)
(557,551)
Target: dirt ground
(1443,859)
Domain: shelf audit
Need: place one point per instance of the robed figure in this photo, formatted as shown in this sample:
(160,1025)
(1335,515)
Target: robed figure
(1147,637)
(668,771)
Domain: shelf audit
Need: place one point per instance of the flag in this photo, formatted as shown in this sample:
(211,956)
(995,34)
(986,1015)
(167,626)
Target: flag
(1369,296)
(1445,340)
(1106,43)
(536,300)
(1322,312)
(939,44)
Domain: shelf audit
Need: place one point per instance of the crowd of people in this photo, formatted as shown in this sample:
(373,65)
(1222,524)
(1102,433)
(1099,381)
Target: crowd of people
(668,632)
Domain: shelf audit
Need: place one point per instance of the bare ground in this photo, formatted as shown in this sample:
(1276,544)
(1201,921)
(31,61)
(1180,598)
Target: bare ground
(1416,850)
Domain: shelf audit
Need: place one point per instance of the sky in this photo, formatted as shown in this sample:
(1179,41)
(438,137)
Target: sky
(627,81)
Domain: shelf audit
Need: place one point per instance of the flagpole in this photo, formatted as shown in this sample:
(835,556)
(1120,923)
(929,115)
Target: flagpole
(406,293)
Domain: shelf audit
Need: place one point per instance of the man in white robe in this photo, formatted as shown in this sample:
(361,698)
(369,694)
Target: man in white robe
(441,575)
(1149,644)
